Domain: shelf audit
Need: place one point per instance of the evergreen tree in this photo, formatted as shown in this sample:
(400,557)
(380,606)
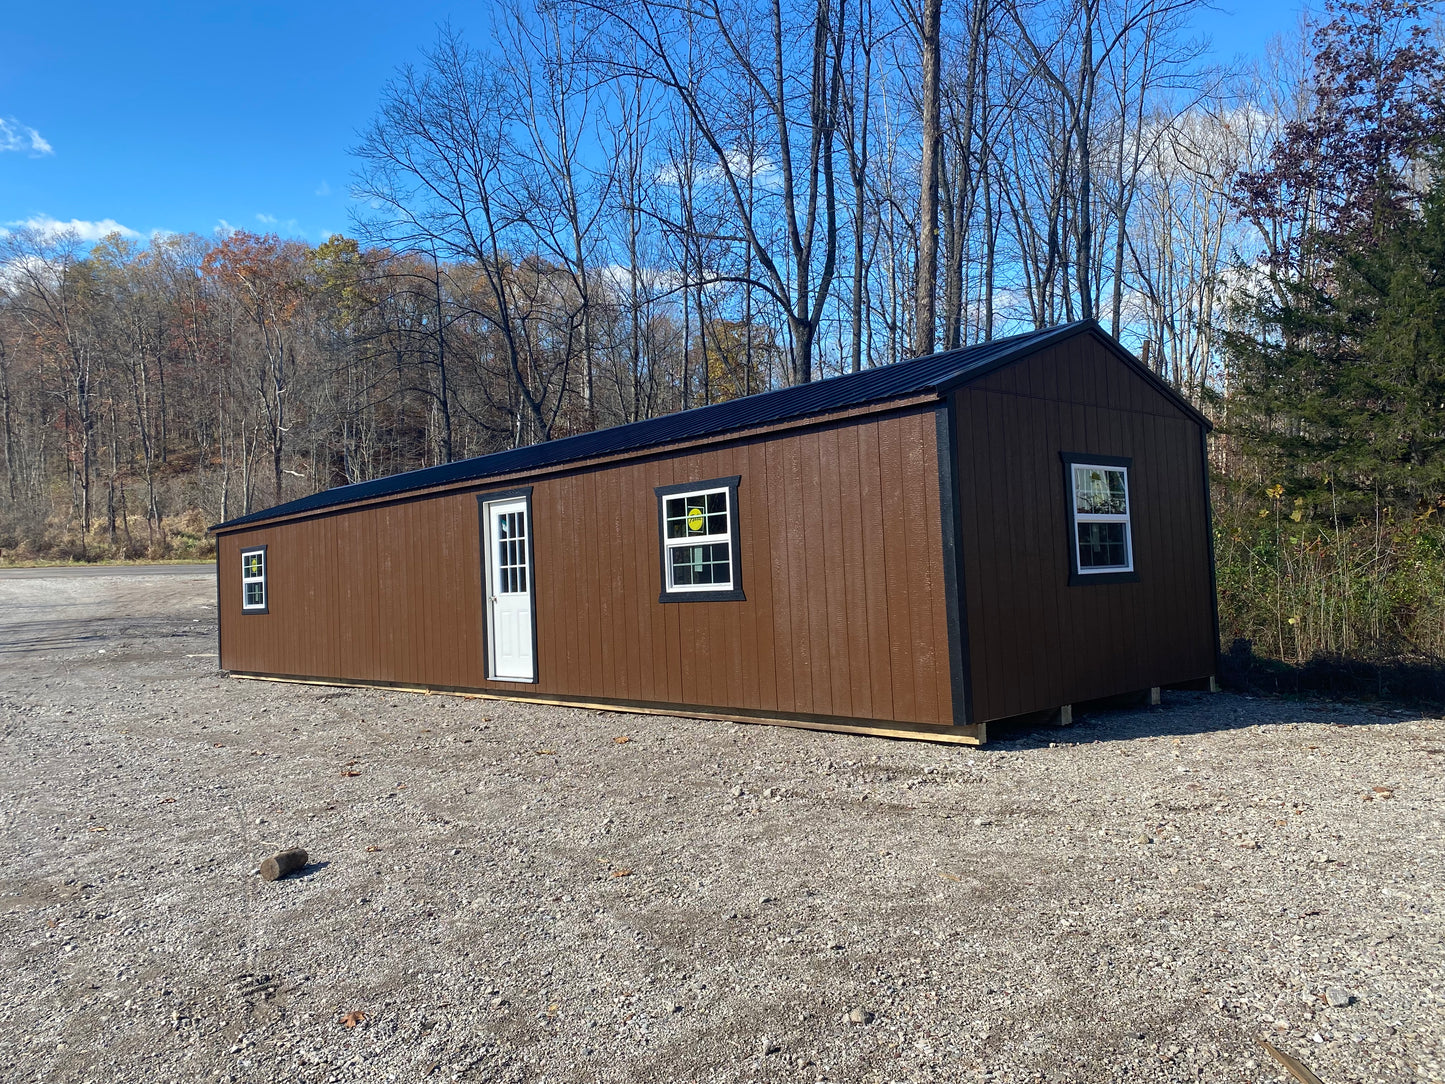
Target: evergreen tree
(1392,305)
(1343,385)
(1333,336)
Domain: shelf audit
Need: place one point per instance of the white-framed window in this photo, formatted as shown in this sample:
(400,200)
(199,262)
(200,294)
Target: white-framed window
(1103,537)
(698,524)
(253,580)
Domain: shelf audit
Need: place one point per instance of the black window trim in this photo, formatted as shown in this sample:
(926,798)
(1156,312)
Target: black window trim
(730,594)
(1083,579)
(265,607)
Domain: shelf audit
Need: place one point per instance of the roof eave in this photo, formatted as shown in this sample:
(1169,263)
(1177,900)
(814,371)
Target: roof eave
(270,516)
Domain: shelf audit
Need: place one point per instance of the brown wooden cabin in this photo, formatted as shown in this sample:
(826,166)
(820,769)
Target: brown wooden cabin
(916,550)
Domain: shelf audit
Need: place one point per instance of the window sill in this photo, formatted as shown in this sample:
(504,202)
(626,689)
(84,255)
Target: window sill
(1084,579)
(731,595)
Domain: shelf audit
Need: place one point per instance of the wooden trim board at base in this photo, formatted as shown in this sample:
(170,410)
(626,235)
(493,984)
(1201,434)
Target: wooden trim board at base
(958,735)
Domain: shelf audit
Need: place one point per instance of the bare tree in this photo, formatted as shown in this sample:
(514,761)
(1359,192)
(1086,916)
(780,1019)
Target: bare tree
(7,419)
(435,169)
(926,19)
(51,290)
(566,202)
(966,106)
(800,95)
(862,44)
(629,140)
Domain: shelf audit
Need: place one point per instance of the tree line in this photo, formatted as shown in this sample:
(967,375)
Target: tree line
(607,212)
(599,213)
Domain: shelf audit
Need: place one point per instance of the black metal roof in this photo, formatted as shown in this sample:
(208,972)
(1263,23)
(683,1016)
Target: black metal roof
(933,373)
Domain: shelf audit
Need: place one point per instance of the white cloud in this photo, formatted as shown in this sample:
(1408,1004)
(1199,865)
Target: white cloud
(224,228)
(51,228)
(760,167)
(653,282)
(13,272)
(15,136)
(288,226)
(324,189)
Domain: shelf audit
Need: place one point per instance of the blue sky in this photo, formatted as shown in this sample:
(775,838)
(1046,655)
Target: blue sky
(185,116)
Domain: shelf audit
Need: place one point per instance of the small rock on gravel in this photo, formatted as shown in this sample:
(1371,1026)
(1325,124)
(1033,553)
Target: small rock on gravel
(279,865)
(860,1015)
(1338,997)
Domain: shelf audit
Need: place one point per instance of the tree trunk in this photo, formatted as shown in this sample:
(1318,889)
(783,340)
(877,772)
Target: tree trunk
(444,404)
(926,283)
(11,472)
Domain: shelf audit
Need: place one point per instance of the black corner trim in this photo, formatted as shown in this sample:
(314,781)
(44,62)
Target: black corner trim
(731,594)
(265,580)
(1209,536)
(484,499)
(220,625)
(950,517)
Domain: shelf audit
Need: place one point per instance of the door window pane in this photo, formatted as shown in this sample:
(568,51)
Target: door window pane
(511,571)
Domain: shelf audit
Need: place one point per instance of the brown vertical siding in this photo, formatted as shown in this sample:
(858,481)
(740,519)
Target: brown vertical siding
(853,579)
(841,563)
(1035,642)
(871,490)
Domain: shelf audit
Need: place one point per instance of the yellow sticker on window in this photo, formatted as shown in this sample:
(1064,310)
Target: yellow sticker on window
(694,519)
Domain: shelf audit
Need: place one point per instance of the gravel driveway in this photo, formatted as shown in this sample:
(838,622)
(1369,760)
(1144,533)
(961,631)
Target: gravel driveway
(504,892)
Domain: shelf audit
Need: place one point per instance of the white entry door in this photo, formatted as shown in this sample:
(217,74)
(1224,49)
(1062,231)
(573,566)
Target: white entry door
(509,591)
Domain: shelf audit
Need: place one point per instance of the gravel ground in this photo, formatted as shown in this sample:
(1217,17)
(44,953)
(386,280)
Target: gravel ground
(505,892)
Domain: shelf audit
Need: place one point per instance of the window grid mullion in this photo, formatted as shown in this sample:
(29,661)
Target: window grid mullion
(698,547)
(1122,518)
